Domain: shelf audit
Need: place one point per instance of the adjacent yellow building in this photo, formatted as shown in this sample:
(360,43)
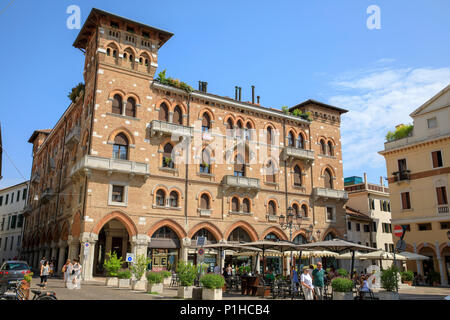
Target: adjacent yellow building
(418,167)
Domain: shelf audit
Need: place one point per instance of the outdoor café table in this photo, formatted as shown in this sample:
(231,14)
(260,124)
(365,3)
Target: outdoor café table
(249,285)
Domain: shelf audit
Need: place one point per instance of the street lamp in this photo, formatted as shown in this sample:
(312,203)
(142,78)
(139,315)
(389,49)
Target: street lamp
(291,221)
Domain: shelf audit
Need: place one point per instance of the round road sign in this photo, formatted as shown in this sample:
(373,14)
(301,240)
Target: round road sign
(398,231)
(201,251)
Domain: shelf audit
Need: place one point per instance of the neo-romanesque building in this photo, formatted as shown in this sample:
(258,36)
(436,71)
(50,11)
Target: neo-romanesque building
(135,165)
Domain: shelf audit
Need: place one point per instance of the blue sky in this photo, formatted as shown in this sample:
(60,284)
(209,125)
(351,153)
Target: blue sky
(290,50)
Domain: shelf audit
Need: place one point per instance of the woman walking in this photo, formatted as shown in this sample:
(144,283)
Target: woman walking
(67,270)
(45,270)
(75,276)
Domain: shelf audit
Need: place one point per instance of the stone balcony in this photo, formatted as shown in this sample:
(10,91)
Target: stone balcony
(442,210)
(167,128)
(401,176)
(35,178)
(292,153)
(73,137)
(243,183)
(111,165)
(332,194)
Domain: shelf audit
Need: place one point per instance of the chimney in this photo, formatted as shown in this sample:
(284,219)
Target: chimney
(253,94)
(199,86)
(257,99)
(240,91)
(381,181)
(365,178)
(236,93)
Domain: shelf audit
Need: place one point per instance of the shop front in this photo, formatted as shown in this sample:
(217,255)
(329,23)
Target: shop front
(163,250)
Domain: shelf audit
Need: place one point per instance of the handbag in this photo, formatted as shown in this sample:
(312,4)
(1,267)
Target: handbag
(73,272)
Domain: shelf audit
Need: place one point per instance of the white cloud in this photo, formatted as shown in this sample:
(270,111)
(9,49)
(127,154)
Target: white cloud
(378,100)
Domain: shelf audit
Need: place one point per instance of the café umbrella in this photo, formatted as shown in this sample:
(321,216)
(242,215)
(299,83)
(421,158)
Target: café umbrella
(413,256)
(339,246)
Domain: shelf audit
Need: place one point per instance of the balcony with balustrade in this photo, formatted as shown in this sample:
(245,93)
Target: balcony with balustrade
(158,127)
(332,194)
(293,153)
(230,182)
(73,137)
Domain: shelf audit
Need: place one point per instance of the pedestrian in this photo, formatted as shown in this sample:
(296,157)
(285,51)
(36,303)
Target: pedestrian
(67,269)
(318,281)
(307,285)
(52,266)
(41,263)
(45,270)
(75,276)
(294,279)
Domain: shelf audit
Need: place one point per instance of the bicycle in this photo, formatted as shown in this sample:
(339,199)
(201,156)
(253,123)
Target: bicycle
(18,293)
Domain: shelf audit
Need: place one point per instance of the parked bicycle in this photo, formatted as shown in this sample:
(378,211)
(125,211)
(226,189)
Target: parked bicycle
(16,292)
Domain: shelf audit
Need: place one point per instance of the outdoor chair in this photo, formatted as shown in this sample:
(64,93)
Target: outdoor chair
(363,295)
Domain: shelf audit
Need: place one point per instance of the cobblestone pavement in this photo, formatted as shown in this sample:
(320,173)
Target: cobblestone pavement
(96,290)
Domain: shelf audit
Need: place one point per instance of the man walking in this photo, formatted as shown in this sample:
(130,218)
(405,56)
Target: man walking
(318,281)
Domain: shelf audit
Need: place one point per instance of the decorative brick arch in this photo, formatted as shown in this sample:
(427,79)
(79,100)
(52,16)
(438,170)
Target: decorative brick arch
(244,225)
(123,130)
(208,226)
(117,91)
(181,106)
(76,225)
(252,124)
(442,247)
(333,173)
(331,230)
(166,102)
(132,50)
(429,246)
(208,111)
(159,186)
(301,232)
(233,119)
(167,223)
(122,217)
(132,95)
(275,230)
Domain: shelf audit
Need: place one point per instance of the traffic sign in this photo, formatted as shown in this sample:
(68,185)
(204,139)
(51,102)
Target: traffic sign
(130,257)
(398,231)
(201,241)
(201,251)
(86,248)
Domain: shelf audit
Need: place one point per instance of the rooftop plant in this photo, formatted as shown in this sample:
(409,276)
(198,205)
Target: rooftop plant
(400,132)
(173,82)
(76,91)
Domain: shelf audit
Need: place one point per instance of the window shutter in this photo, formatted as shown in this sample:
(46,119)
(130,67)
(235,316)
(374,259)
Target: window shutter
(117,104)
(130,109)
(177,116)
(297,176)
(271,208)
(163,113)
(246,205)
(435,159)
(235,205)
(404,205)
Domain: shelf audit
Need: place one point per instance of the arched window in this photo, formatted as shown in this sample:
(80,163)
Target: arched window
(328,179)
(300,141)
(290,139)
(297,176)
(300,239)
(296,209)
(163,112)
(271,208)
(125,55)
(177,115)
(108,52)
(130,109)
(248,131)
(323,147)
(304,210)
(173,199)
(165,233)
(272,237)
(140,60)
(269,135)
(235,204)
(160,198)
(270,172)
(114,53)
(330,148)
(230,127)
(246,205)
(120,147)
(204,202)
(239,235)
(206,122)
(117,104)
(205,233)
(239,166)
(329,236)
(239,129)
(167,156)
(146,62)
(205,165)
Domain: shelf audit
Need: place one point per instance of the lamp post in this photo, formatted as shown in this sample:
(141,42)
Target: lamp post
(290,222)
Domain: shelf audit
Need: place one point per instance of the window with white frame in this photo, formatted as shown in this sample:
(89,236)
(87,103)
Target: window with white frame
(118,194)
(330,212)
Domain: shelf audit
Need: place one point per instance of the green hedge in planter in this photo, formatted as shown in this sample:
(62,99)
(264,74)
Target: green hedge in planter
(342,285)
(154,277)
(166,274)
(389,278)
(342,272)
(212,281)
(125,274)
(186,273)
(140,266)
(407,275)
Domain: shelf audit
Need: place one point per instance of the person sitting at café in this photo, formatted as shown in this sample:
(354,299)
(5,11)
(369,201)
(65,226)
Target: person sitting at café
(270,276)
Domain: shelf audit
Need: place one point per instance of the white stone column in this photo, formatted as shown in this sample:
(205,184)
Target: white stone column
(87,261)
(442,270)
(184,249)
(139,245)
(418,262)
(62,248)
(74,245)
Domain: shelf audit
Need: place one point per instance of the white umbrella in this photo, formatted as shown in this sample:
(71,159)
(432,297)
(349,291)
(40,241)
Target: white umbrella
(313,254)
(348,256)
(413,256)
(381,255)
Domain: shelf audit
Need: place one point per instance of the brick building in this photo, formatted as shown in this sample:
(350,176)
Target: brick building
(134,165)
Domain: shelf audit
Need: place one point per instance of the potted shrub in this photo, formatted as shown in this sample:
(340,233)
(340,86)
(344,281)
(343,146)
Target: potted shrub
(342,289)
(112,266)
(389,282)
(407,277)
(124,278)
(138,270)
(154,284)
(212,286)
(187,274)
(435,278)
(167,277)
(26,284)
(342,272)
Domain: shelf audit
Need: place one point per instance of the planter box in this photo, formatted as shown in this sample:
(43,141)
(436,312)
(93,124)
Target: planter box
(197,293)
(112,282)
(124,283)
(139,285)
(167,281)
(211,294)
(155,287)
(185,292)
(409,283)
(388,295)
(342,295)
